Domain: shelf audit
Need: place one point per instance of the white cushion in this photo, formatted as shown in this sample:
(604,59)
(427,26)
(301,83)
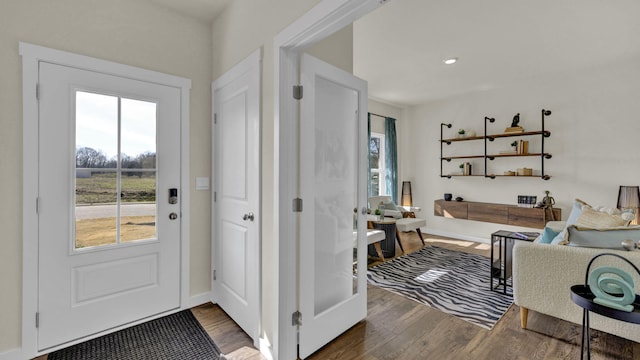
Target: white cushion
(410,224)
(374,201)
(373,236)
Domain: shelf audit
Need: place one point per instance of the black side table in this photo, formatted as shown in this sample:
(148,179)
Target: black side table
(389,243)
(582,296)
(501,262)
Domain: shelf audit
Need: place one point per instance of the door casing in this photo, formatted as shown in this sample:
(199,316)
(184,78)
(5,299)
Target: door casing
(31,56)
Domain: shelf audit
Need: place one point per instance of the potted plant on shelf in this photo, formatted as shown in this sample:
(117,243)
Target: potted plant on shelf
(461,133)
(514,146)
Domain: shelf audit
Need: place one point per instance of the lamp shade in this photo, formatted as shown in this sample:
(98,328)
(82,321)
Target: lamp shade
(629,198)
(406,194)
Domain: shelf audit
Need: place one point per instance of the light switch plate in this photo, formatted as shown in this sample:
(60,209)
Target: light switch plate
(202,183)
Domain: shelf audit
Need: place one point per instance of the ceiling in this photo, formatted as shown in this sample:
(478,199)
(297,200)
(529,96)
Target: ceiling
(399,48)
(205,10)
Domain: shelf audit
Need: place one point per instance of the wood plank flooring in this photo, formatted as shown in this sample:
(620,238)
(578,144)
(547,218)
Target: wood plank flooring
(398,328)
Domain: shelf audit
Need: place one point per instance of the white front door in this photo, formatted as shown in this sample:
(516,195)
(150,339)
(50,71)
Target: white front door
(332,296)
(108,202)
(236,203)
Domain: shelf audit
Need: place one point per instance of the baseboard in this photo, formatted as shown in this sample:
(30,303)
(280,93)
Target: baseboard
(13,354)
(265,348)
(199,299)
(454,235)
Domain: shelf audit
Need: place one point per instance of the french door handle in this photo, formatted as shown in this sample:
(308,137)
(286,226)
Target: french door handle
(248,216)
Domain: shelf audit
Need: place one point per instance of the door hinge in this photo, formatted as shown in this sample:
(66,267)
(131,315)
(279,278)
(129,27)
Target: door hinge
(37,320)
(296,318)
(38,91)
(297,92)
(297,205)
(215,118)
(214,275)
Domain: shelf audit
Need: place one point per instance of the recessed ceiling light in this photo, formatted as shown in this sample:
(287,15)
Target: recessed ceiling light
(450,61)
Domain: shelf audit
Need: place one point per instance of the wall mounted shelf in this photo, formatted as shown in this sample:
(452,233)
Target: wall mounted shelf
(496,213)
(543,134)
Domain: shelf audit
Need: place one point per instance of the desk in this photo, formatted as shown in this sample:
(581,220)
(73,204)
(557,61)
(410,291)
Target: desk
(501,262)
(389,227)
(583,297)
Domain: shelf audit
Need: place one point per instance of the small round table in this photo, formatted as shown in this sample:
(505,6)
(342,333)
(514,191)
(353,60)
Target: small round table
(389,227)
(583,297)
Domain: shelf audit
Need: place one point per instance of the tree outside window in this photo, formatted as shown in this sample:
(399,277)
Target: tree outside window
(377,164)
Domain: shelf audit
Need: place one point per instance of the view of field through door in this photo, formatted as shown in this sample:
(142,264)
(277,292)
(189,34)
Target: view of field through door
(109,202)
(115,183)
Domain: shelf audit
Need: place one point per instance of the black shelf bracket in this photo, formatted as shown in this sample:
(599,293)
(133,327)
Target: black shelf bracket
(442,126)
(487,120)
(544,135)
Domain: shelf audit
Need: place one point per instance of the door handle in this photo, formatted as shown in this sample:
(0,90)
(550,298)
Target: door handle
(248,216)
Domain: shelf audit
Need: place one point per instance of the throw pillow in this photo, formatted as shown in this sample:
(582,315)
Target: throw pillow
(391,209)
(390,206)
(603,238)
(576,210)
(547,236)
(592,219)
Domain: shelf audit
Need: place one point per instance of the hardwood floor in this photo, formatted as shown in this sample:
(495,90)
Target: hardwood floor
(399,328)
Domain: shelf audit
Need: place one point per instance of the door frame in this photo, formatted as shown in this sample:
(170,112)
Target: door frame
(322,20)
(31,56)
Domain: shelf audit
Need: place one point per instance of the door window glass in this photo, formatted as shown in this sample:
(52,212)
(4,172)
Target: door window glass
(115,182)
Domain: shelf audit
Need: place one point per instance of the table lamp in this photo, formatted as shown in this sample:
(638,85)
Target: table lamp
(406,194)
(629,198)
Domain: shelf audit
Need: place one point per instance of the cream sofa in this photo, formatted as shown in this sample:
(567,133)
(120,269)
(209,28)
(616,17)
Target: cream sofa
(544,273)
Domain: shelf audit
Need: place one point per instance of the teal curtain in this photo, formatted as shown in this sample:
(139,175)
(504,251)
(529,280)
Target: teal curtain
(391,155)
(369,194)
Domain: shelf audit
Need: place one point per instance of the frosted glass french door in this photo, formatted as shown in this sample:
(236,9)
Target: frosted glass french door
(332,286)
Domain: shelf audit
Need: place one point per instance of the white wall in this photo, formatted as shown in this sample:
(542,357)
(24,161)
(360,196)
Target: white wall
(594,128)
(130,32)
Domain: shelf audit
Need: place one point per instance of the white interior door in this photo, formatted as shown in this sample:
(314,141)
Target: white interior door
(332,296)
(109,236)
(236,223)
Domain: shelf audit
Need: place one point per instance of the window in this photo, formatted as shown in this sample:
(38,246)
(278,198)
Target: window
(377,164)
(115,184)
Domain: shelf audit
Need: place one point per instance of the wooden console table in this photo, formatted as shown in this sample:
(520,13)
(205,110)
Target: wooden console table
(495,213)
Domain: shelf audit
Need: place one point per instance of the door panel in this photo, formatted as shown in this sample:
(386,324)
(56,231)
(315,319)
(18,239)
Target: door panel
(105,259)
(236,219)
(234,246)
(333,186)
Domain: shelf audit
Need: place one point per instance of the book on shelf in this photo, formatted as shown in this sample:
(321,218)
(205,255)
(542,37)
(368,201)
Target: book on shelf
(514,129)
(523,147)
(526,235)
(528,201)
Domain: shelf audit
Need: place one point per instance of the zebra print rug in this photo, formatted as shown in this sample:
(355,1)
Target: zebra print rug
(453,282)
